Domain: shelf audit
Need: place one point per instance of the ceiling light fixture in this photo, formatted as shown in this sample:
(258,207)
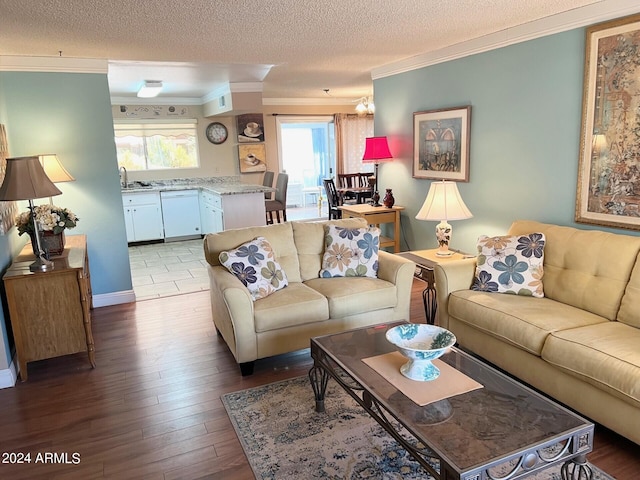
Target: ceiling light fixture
(365,106)
(150,89)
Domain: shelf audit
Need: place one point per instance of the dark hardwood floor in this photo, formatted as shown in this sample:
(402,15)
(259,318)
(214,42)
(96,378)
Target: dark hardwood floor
(152,409)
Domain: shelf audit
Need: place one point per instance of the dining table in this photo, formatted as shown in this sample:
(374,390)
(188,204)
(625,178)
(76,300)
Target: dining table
(362,194)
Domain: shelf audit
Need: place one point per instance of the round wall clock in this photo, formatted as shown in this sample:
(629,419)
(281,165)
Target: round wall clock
(217,133)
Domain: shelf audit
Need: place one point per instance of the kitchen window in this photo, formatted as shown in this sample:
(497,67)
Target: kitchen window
(157,146)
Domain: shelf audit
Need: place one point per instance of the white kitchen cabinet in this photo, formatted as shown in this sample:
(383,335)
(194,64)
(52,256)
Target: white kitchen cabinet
(222,212)
(143,216)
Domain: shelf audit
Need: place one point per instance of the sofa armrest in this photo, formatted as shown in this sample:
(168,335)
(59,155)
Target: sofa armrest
(399,271)
(233,313)
(450,277)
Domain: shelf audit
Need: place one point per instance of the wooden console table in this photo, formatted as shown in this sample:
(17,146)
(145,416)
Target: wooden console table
(425,261)
(50,311)
(376,216)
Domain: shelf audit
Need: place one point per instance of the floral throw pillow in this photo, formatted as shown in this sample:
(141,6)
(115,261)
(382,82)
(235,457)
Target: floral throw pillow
(350,252)
(510,264)
(256,267)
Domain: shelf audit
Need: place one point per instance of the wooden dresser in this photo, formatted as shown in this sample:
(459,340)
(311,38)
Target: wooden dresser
(50,312)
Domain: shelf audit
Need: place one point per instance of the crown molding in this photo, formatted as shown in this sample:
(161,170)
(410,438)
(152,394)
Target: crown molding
(15,63)
(309,101)
(245,87)
(156,101)
(579,17)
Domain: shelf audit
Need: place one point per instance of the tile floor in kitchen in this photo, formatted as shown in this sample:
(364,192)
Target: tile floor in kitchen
(174,268)
(171,268)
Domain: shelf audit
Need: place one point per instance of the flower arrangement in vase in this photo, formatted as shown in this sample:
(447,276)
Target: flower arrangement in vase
(53,221)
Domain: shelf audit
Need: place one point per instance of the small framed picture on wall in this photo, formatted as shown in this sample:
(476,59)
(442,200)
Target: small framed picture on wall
(441,144)
(252,158)
(250,128)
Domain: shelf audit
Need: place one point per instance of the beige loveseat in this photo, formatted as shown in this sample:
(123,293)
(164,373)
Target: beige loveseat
(309,306)
(580,344)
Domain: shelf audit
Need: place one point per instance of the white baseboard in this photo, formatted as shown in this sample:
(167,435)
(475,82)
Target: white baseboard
(8,376)
(115,298)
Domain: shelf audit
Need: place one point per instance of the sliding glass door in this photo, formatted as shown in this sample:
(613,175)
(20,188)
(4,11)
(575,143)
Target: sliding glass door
(307,152)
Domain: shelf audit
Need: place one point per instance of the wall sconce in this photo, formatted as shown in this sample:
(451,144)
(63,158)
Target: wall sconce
(365,106)
(443,203)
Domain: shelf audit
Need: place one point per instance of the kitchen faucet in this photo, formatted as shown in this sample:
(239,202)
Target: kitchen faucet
(123,178)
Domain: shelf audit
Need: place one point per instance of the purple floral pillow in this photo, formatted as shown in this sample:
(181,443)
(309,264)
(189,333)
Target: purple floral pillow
(256,267)
(510,264)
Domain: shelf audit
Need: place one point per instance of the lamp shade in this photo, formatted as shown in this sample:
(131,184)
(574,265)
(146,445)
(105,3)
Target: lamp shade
(25,180)
(376,150)
(443,202)
(54,169)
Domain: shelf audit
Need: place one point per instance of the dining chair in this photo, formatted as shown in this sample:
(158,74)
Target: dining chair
(267,181)
(279,203)
(333,199)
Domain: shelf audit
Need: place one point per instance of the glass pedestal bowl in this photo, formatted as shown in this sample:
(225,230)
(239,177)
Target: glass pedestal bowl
(420,344)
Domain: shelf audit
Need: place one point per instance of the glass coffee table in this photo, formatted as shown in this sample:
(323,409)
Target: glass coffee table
(504,430)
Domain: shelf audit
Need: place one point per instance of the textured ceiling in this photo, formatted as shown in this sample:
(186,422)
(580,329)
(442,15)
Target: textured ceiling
(297,48)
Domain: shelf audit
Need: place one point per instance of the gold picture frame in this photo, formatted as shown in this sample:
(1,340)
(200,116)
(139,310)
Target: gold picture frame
(441,144)
(608,190)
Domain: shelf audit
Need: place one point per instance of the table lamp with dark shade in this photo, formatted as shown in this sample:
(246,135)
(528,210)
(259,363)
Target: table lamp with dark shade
(25,179)
(376,150)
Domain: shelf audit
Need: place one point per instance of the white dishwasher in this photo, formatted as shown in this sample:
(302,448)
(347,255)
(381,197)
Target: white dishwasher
(180,213)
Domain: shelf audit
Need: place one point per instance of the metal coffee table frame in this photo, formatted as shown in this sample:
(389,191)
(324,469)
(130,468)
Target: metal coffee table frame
(341,360)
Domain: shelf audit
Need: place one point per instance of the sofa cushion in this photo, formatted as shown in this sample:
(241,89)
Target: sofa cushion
(588,269)
(295,305)
(524,322)
(605,355)
(280,236)
(309,240)
(350,296)
(629,312)
(510,264)
(256,267)
(350,252)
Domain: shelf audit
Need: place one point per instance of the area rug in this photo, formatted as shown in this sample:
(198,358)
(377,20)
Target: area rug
(284,438)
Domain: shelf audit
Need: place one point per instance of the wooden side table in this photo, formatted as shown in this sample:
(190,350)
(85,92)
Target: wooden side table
(425,261)
(50,311)
(376,216)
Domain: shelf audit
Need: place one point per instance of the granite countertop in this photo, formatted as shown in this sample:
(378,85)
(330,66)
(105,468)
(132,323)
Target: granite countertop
(216,185)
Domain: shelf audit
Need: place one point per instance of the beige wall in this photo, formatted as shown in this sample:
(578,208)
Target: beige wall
(222,160)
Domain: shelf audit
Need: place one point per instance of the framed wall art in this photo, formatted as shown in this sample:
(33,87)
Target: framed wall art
(441,144)
(252,158)
(250,128)
(608,190)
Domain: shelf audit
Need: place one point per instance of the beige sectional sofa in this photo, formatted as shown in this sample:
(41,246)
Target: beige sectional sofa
(580,344)
(309,306)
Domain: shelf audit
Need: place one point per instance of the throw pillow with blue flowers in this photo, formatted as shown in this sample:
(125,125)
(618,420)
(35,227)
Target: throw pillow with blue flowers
(255,265)
(510,264)
(350,252)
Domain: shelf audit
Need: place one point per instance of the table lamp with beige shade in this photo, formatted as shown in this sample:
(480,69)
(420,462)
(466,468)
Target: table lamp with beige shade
(443,203)
(25,179)
(54,169)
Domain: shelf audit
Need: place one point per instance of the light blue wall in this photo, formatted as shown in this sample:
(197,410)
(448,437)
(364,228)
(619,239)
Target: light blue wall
(70,115)
(526,104)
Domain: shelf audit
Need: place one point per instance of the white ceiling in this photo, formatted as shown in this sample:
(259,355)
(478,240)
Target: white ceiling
(293,49)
